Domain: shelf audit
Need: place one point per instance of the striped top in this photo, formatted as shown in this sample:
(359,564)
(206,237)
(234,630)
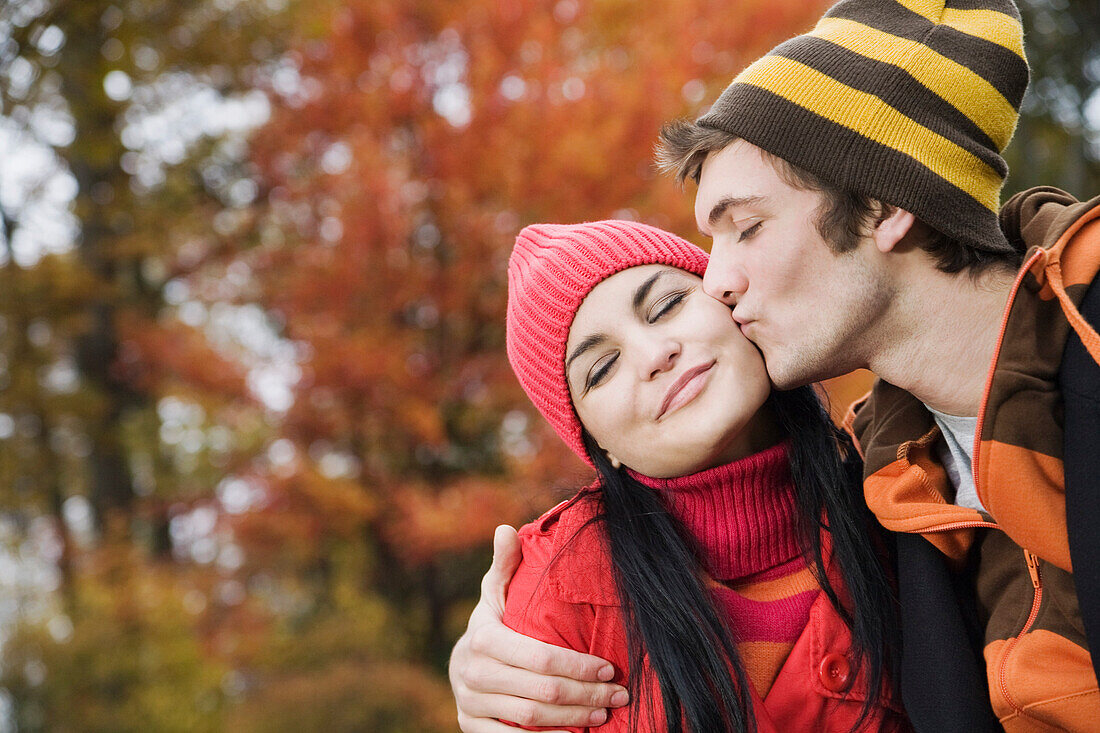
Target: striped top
(743,517)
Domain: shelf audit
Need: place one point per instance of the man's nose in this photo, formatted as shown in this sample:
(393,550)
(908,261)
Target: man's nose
(724,279)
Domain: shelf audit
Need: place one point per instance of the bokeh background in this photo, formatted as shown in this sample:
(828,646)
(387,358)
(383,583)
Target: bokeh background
(256,422)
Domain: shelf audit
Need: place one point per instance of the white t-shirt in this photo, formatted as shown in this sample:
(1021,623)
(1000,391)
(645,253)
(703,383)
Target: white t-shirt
(956,452)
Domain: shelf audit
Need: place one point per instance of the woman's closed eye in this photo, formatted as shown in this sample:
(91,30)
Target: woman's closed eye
(599,370)
(666,305)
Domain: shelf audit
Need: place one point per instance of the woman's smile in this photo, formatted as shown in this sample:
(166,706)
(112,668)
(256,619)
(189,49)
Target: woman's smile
(686,388)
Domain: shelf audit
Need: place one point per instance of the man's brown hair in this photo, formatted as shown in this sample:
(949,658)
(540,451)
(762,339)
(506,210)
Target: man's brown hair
(844,215)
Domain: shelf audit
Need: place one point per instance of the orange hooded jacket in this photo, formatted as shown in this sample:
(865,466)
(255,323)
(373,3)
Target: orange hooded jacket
(1038,668)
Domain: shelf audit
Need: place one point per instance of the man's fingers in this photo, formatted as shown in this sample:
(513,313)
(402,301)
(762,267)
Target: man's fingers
(500,643)
(529,713)
(555,691)
(507,555)
(498,673)
(466,724)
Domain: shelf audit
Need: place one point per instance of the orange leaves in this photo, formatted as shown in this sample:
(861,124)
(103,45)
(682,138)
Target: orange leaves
(162,355)
(422,421)
(303,512)
(340,506)
(426,523)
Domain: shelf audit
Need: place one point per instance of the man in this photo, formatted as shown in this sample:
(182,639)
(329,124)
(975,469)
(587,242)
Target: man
(850,181)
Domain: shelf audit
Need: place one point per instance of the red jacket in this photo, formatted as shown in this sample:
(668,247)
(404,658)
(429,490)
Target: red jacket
(572,603)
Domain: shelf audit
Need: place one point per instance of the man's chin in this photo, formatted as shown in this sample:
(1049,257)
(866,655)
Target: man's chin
(784,375)
(786,384)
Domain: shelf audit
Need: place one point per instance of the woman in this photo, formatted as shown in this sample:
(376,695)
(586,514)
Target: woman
(722,560)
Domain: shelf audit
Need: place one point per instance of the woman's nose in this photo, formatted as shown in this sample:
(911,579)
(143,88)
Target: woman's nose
(660,356)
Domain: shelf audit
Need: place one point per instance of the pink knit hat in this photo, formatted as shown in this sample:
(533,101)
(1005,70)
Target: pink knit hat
(551,270)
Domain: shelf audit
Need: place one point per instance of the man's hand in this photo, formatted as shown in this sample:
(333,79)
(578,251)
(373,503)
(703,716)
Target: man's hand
(498,673)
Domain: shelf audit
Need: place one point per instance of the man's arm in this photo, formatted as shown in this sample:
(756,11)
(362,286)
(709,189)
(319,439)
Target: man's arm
(498,673)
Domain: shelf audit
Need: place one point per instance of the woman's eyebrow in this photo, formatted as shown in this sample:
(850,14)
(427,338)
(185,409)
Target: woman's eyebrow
(640,295)
(594,340)
(643,289)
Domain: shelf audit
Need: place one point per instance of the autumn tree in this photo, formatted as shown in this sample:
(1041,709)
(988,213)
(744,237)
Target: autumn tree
(256,423)
(122,132)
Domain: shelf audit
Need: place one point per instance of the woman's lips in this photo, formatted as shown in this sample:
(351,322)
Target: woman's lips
(686,388)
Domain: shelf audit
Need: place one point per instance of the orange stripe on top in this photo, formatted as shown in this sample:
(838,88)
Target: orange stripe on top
(1026,494)
(777,588)
(763,660)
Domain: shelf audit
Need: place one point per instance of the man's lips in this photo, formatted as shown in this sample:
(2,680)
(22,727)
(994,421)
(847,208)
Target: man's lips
(686,388)
(743,322)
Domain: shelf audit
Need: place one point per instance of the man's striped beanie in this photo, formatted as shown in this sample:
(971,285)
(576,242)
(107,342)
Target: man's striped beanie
(910,102)
(551,270)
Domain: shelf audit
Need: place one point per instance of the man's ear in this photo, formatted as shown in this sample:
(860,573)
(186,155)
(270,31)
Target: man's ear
(615,462)
(891,226)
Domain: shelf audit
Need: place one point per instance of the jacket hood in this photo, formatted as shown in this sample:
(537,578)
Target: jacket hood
(1038,217)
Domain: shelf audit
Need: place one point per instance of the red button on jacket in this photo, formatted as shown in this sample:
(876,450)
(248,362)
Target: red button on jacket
(834,671)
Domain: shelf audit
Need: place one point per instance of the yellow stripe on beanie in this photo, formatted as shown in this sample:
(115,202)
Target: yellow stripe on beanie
(992,25)
(930,10)
(953,82)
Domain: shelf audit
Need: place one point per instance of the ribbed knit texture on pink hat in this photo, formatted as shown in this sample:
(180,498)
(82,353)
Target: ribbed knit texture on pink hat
(551,270)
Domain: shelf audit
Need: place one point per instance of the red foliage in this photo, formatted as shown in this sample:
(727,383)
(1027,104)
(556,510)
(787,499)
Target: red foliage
(422,137)
(158,357)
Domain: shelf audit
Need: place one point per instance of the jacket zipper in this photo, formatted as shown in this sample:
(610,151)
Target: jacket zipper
(1036,602)
(1037,599)
(1024,269)
(959,525)
(1032,560)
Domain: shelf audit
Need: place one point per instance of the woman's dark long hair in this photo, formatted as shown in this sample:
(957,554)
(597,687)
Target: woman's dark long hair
(675,633)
